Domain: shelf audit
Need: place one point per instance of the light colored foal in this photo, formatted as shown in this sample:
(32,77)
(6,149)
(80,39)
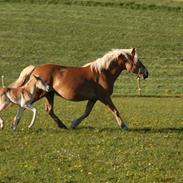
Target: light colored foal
(22,96)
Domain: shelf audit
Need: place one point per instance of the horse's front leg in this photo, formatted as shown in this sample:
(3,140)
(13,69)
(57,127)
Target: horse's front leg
(88,109)
(17,118)
(49,108)
(108,102)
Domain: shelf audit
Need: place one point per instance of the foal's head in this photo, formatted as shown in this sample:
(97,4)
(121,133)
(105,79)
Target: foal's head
(41,84)
(132,64)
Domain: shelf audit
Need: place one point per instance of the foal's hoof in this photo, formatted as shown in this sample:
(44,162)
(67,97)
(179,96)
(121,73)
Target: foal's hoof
(13,127)
(124,126)
(1,124)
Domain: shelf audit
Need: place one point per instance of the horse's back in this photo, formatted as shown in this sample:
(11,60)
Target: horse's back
(46,70)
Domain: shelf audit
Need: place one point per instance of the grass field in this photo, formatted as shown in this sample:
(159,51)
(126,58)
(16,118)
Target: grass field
(77,34)
(98,151)
(74,33)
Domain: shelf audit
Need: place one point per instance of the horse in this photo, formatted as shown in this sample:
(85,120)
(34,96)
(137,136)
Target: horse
(22,96)
(93,82)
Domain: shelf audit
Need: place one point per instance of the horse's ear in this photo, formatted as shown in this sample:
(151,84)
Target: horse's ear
(134,54)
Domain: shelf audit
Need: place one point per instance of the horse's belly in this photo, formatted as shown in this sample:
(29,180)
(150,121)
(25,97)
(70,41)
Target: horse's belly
(76,94)
(73,85)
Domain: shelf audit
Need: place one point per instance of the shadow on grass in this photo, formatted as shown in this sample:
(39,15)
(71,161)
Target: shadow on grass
(108,129)
(157,130)
(138,130)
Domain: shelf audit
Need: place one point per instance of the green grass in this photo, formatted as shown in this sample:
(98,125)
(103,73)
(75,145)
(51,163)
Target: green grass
(74,33)
(98,151)
(77,34)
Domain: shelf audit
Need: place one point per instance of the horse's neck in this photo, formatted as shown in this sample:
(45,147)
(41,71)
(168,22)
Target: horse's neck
(30,87)
(112,74)
(108,77)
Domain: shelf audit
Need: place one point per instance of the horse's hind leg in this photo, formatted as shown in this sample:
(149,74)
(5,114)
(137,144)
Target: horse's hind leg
(88,109)
(17,118)
(108,102)
(49,108)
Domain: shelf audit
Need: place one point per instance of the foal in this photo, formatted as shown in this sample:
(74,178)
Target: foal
(22,96)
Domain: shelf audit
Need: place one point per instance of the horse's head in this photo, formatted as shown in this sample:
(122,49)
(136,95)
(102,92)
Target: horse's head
(134,65)
(41,84)
(140,70)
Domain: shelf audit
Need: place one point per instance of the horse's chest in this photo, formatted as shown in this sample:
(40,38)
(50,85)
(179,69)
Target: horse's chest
(106,85)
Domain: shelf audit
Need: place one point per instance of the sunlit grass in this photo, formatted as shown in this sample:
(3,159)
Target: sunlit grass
(98,151)
(75,35)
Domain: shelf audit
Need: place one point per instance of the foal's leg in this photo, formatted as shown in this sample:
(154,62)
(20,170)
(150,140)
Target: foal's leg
(88,109)
(49,108)
(17,118)
(2,106)
(33,109)
(1,123)
(108,102)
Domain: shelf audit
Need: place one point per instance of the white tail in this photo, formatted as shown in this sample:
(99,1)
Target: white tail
(24,75)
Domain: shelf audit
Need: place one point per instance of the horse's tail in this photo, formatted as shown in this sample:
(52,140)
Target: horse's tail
(23,77)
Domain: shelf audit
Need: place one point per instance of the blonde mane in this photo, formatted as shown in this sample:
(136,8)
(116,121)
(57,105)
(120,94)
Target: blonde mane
(105,61)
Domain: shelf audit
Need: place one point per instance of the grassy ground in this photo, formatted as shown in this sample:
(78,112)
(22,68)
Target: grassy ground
(98,151)
(74,33)
(77,34)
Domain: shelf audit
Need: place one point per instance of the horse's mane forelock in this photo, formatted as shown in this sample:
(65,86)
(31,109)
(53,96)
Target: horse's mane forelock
(105,61)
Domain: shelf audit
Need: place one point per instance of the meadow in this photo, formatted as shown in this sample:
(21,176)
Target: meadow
(77,32)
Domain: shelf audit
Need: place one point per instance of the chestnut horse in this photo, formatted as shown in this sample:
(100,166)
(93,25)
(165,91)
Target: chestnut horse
(94,81)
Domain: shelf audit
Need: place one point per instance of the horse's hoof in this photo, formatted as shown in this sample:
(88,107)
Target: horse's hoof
(62,126)
(124,126)
(74,124)
(73,127)
(13,127)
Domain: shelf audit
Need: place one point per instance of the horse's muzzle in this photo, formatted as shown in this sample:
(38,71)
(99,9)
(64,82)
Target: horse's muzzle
(145,74)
